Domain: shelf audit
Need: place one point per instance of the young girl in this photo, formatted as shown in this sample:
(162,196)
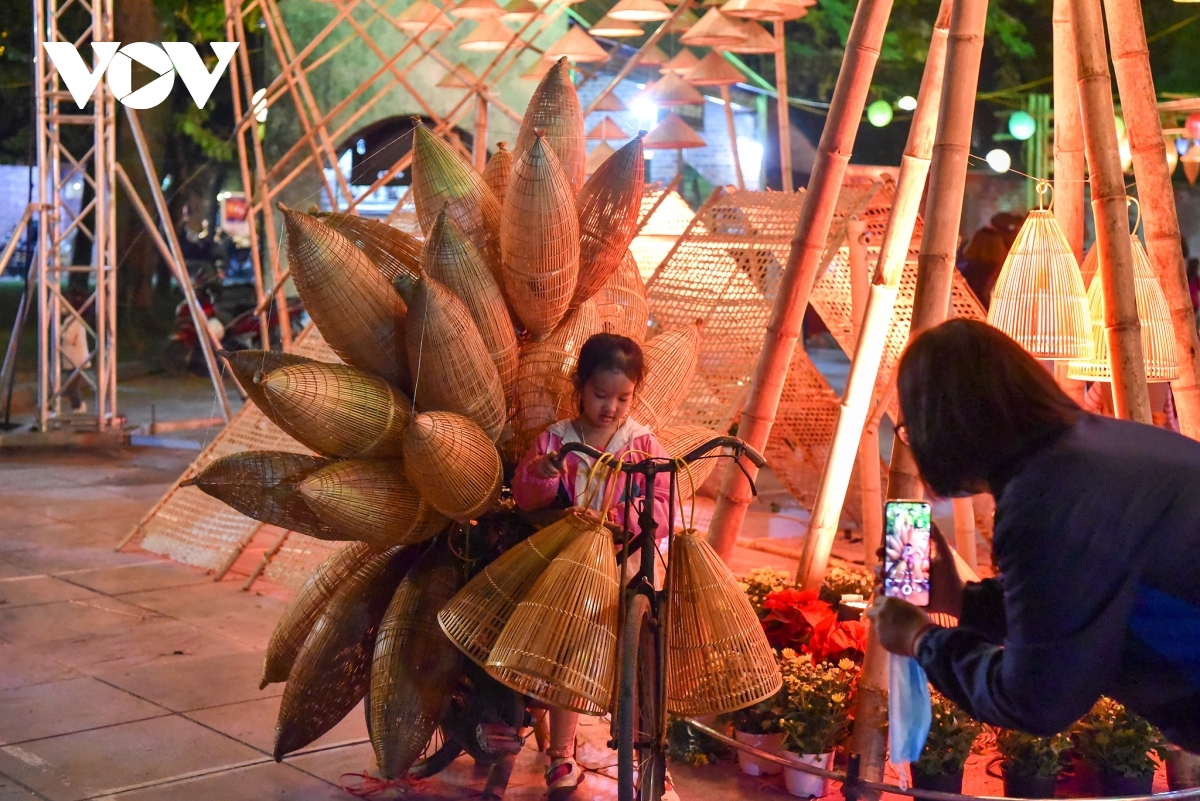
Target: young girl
(609,372)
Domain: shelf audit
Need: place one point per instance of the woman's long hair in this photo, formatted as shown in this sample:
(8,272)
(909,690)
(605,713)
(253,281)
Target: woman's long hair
(974,403)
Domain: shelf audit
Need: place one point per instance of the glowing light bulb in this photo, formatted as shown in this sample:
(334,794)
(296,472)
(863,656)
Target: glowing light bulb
(998,160)
(907,103)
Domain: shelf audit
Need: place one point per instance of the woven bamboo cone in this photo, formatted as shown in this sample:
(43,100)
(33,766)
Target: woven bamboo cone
(248,367)
(454,262)
(442,179)
(474,618)
(263,485)
(1131,62)
(414,667)
(454,464)
(539,237)
(671,359)
(371,501)
(348,298)
(560,643)
(390,249)
(555,111)
(498,170)
(332,672)
(297,621)
(337,410)
(621,302)
(718,659)
(608,217)
(680,440)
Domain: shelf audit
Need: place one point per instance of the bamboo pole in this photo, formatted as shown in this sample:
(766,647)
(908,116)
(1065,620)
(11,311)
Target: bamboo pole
(1131,62)
(808,247)
(1131,398)
(481,132)
(733,147)
(870,489)
(785,118)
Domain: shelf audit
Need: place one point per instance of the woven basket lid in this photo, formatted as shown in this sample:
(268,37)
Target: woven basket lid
(713,30)
(461,77)
(607,128)
(640,10)
(621,302)
(600,154)
(497,170)
(753,9)
(576,45)
(681,63)
(757,39)
(672,134)
(475,9)
(489,36)
(609,206)
(714,70)
(683,22)
(554,110)
(371,501)
(454,464)
(610,102)
(519,11)
(423,15)
(670,360)
(615,28)
(653,57)
(671,90)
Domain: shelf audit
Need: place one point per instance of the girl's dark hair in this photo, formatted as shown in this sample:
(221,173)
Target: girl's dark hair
(974,404)
(609,352)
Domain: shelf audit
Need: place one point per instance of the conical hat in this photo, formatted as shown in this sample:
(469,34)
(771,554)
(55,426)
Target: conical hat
(537,70)
(610,102)
(423,15)
(752,9)
(683,22)
(757,39)
(490,36)
(460,77)
(519,11)
(483,9)
(607,128)
(672,134)
(576,45)
(671,90)
(640,10)
(615,28)
(681,63)
(598,156)
(714,70)
(653,57)
(714,30)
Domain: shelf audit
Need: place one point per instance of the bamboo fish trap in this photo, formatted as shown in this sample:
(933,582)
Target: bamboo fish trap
(608,216)
(621,302)
(390,249)
(497,170)
(554,110)
(453,464)
(670,364)
(249,366)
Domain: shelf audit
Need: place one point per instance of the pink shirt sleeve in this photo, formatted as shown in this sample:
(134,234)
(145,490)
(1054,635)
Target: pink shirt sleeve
(531,491)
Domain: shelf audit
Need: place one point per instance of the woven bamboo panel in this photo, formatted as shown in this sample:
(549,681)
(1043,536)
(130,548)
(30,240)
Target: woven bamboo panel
(621,302)
(249,366)
(670,365)
(451,365)
(657,236)
(454,464)
(453,261)
(680,440)
(393,251)
(539,237)
(293,563)
(498,169)
(608,217)
(554,110)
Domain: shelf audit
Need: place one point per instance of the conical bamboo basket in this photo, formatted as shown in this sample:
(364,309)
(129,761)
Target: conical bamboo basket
(498,169)
(390,249)
(539,237)
(263,485)
(337,410)
(680,440)
(451,364)
(371,501)
(475,616)
(332,672)
(249,366)
(555,111)
(453,464)
(353,305)
(298,619)
(608,216)
(621,302)
(718,658)
(442,179)
(414,667)
(670,364)
(545,385)
(454,262)
(560,644)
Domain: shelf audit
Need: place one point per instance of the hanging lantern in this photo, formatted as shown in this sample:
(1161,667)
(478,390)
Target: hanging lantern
(423,15)
(606,129)
(653,57)
(713,30)
(615,28)
(1191,163)
(714,70)
(489,36)
(752,9)
(1039,299)
(476,9)
(460,77)
(537,70)
(598,156)
(610,102)
(671,90)
(756,39)
(576,45)
(640,10)
(519,11)
(672,134)
(681,63)
(683,23)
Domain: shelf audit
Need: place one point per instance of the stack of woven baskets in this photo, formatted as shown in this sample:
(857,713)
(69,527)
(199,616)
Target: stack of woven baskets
(457,352)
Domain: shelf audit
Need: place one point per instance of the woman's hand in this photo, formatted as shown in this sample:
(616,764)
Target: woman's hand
(898,624)
(547,466)
(945,585)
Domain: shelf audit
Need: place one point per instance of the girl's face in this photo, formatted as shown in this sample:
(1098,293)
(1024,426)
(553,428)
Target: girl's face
(606,397)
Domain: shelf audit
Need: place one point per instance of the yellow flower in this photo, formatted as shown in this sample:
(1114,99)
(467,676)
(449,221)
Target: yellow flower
(846,664)
(788,653)
(837,698)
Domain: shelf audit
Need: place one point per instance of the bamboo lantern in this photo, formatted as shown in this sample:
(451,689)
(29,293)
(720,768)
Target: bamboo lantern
(414,667)
(332,672)
(539,238)
(451,363)
(476,9)
(598,156)
(621,302)
(441,179)
(680,440)
(371,501)
(610,102)
(423,15)
(454,465)
(640,11)
(615,28)
(671,90)
(390,249)
(452,261)
(249,366)
(460,77)
(1191,163)
(713,30)
(337,410)
(519,11)
(555,111)
(578,46)
(682,23)
(298,619)
(681,63)
(1039,299)
(348,298)
(537,70)
(607,128)
(671,359)
(756,41)
(609,205)
(489,36)
(752,9)
(1158,336)
(498,168)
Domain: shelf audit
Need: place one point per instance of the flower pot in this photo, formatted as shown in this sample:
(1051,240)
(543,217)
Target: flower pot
(752,765)
(1113,784)
(1183,769)
(941,782)
(805,785)
(1029,786)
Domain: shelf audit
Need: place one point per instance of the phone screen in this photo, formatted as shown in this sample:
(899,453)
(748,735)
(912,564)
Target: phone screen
(906,551)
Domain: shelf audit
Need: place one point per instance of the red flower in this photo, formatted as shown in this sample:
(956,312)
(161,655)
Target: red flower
(798,619)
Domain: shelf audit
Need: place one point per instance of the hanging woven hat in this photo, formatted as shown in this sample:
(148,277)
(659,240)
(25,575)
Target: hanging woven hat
(451,260)
(680,440)
(713,30)
(249,366)
(348,298)
(497,170)
(609,205)
(390,249)
(753,9)
(714,70)
(263,485)
(672,134)
(476,9)
(451,363)
(371,501)
(560,643)
(756,39)
(519,11)
(680,63)
(537,70)
(474,618)
(332,672)
(489,36)
(298,619)
(718,657)
(423,15)
(454,465)
(539,237)
(441,179)
(461,77)
(610,102)
(621,302)
(337,410)
(682,23)
(670,364)
(671,90)
(607,128)
(578,46)
(414,667)
(600,154)
(611,28)
(554,110)
(653,57)
(640,10)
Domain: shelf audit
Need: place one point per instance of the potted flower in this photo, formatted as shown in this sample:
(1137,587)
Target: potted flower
(761,582)
(1029,764)
(759,726)
(1119,747)
(818,699)
(952,733)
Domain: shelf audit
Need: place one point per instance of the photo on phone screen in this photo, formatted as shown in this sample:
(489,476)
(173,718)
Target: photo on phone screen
(906,551)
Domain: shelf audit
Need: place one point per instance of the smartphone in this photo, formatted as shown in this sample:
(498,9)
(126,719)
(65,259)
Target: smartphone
(906,541)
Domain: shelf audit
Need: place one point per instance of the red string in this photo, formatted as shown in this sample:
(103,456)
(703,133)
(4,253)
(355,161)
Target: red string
(364,785)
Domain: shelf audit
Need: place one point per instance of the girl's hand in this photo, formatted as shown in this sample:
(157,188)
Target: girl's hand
(898,624)
(547,467)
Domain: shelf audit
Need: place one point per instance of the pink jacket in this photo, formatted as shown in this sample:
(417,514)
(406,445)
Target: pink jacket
(631,443)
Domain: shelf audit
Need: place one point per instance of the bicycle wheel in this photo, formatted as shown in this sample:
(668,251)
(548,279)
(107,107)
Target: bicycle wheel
(638,750)
(438,755)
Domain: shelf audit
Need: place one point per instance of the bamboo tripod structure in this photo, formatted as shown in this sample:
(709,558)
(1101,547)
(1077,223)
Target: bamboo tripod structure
(733,146)
(785,120)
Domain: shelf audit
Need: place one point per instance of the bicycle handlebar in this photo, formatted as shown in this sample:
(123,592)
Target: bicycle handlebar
(739,449)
